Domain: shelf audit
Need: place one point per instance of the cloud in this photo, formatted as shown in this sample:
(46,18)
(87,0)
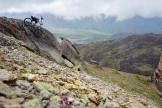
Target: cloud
(76,9)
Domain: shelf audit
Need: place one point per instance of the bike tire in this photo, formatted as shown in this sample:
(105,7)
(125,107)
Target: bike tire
(38,33)
(27,22)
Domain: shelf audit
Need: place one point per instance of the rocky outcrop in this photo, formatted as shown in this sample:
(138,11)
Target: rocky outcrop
(70,52)
(158,76)
(45,44)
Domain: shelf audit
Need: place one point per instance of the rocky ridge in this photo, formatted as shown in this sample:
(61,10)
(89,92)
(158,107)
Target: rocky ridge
(45,45)
(27,80)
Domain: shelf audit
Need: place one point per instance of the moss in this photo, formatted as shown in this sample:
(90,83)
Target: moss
(122,106)
(23,71)
(57,72)
(79,95)
(7,93)
(56,98)
(138,51)
(35,103)
(156,51)
(42,85)
(27,71)
(1,55)
(75,68)
(145,67)
(14,68)
(10,96)
(2,66)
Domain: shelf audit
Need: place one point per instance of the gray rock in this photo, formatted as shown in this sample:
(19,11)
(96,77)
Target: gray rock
(76,103)
(19,92)
(40,86)
(54,90)
(42,70)
(23,84)
(111,105)
(6,75)
(45,103)
(68,63)
(6,91)
(35,103)
(10,103)
(70,52)
(45,95)
(54,102)
(65,91)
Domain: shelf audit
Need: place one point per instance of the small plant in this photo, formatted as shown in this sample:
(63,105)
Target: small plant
(23,71)
(64,101)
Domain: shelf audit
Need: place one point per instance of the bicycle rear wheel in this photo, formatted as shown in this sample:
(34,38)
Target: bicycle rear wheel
(38,33)
(27,22)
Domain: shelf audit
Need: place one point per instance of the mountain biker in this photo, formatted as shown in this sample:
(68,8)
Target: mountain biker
(37,19)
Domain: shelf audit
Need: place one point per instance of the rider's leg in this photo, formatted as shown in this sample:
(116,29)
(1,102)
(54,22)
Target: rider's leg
(34,20)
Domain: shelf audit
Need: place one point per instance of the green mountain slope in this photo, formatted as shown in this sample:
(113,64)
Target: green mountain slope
(131,82)
(136,54)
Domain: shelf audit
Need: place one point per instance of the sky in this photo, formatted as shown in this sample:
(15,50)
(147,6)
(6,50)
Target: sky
(77,9)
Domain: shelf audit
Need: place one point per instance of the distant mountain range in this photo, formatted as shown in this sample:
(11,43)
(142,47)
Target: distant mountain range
(109,25)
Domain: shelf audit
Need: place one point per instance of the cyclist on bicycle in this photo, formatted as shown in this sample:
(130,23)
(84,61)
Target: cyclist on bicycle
(37,19)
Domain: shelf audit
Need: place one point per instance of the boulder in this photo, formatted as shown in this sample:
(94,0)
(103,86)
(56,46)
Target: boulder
(10,103)
(45,45)
(23,84)
(70,53)
(54,102)
(35,103)
(7,75)
(158,76)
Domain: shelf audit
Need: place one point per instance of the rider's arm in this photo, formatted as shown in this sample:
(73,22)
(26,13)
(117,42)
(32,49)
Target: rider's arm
(40,22)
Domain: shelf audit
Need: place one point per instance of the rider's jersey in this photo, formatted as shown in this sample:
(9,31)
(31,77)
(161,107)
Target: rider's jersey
(39,19)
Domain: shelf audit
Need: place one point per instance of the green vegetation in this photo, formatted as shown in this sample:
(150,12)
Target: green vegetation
(1,55)
(131,82)
(136,54)
(1,63)
(139,51)
(145,67)
(156,50)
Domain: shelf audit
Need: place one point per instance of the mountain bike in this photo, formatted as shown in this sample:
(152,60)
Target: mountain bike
(37,30)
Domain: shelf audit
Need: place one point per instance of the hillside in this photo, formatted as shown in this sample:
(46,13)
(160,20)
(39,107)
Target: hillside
(28,80)
(131,82)
(44,44)
(134,54)
(32,80)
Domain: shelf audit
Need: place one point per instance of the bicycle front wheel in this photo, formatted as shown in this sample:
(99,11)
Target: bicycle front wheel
(27,22)
(38,33)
